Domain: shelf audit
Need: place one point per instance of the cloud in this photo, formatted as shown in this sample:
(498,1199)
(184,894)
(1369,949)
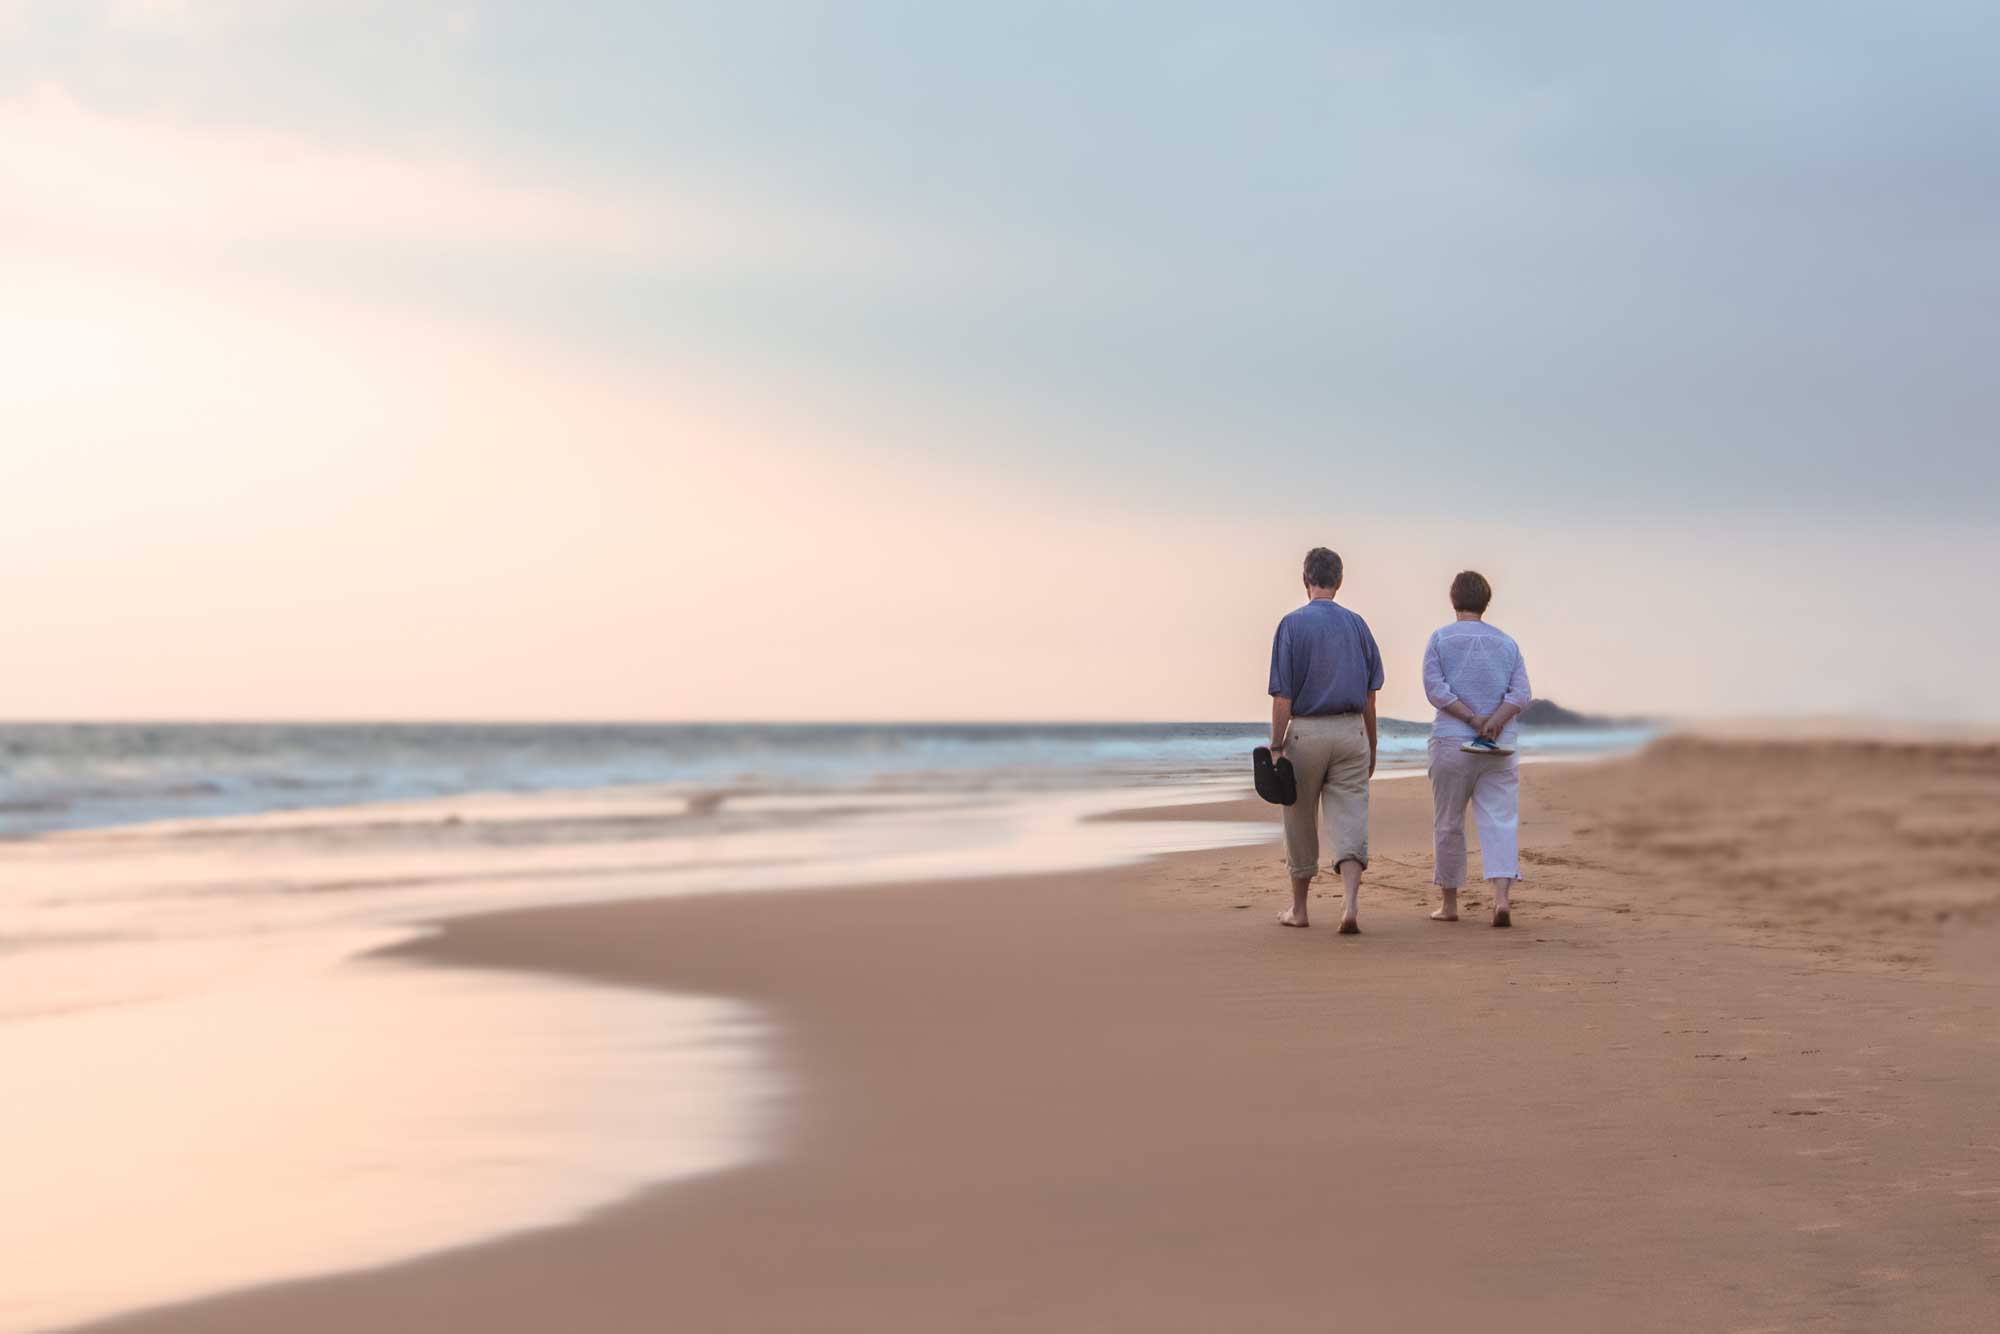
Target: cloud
(66,169)
(73,177)
(145,15)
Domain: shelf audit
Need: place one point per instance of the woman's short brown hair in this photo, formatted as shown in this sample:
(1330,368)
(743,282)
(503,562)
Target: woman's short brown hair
(1470,592)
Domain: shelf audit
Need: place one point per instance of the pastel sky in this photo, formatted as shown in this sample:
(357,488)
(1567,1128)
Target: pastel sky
(938,360)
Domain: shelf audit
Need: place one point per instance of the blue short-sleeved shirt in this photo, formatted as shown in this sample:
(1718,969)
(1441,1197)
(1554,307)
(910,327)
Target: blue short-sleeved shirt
(1324,660)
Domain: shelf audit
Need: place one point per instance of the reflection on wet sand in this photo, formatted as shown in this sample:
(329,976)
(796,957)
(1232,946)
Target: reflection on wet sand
(206,1081)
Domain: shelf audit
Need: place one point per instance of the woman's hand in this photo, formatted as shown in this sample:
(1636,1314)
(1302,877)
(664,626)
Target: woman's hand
(1490,728)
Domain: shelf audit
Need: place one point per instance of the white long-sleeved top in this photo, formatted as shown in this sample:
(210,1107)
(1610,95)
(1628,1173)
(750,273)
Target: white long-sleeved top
(1472,661)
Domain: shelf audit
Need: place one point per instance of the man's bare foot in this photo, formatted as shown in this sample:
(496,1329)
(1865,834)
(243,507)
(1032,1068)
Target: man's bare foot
(1444,915)
(1293,918)
(1349,927)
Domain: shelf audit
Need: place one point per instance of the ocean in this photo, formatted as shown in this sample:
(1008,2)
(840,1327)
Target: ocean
(57,776)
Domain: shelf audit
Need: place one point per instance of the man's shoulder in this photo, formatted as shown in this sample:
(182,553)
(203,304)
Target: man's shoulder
(1321,613)
(1339,613)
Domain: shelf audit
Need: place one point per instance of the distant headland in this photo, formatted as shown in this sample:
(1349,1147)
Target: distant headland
(1548,713)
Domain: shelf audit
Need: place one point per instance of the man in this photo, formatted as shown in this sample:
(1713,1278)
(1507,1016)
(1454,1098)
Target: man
(1475,677)
(1325,670)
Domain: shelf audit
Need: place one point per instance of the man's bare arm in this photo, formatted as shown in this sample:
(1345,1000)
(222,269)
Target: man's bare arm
(1281,721)
(1368,721)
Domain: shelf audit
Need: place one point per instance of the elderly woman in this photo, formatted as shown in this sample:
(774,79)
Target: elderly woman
(1475,677)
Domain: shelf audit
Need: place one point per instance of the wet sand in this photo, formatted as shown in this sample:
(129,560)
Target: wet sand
(1737,1067)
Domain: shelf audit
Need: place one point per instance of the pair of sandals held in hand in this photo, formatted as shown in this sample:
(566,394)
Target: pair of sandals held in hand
(1277,784)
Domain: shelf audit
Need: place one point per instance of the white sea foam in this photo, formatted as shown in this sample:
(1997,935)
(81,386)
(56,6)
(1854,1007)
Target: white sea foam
(68,776)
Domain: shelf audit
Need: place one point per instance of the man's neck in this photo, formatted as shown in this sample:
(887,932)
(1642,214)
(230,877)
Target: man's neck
(1471,615)
(1320,594)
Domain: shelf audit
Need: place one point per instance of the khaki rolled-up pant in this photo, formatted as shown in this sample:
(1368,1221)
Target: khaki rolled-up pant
(1329,756)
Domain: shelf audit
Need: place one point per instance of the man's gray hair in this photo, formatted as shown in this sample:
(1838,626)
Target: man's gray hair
(1322,568)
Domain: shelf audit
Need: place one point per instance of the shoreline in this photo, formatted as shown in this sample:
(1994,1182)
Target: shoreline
(95,779)
(1122,1098)
(430,1108)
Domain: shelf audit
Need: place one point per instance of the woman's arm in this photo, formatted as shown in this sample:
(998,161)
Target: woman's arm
(1436,689)
(1497,722)
(1512,703)
(1439,692)
(1463,712)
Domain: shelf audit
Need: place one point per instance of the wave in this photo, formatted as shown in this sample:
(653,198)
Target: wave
(94,775)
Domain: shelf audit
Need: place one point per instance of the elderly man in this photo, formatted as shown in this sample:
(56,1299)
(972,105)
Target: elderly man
(1325,670)
(1474,676)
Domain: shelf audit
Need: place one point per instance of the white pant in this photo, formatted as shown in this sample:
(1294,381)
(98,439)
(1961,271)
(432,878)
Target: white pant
(1492,783)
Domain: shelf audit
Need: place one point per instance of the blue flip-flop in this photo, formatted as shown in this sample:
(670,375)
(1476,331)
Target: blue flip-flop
(1479,745)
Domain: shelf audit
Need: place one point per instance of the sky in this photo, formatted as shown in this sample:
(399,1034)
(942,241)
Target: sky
(938,360)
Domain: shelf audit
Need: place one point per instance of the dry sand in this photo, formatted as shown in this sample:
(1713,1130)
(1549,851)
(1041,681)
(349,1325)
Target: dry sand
(1737,1067)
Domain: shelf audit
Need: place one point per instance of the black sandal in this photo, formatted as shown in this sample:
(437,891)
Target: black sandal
(1276,783)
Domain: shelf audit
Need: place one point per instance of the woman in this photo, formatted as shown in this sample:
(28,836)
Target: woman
(1475,677)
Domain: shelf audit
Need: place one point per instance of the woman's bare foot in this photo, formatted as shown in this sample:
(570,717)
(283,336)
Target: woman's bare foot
(1349,927)
(1502,917)
(1442,916)
(1293,918)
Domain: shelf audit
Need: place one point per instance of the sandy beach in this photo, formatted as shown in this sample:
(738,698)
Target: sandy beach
(1737,1067)
(636,634)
